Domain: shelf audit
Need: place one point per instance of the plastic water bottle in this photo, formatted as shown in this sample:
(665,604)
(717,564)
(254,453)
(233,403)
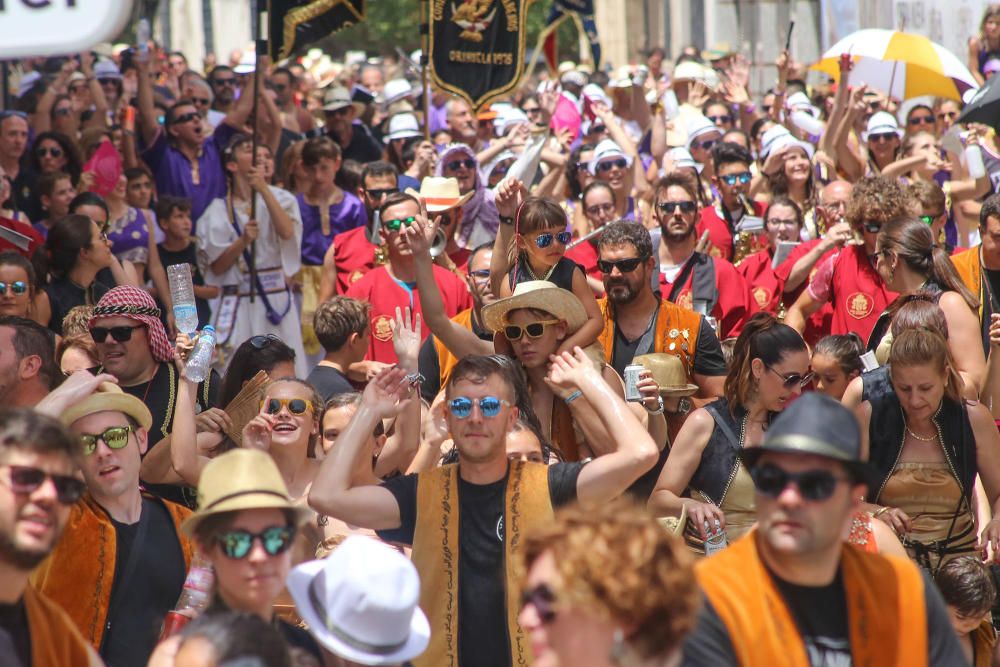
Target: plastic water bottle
(805,121)
(182,294)
(974,161)
(194,597)
(142,35)
(200,361)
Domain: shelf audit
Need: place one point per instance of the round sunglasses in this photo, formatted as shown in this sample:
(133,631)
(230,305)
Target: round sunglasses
(236,544)
(18,287)
(455,165)
(546,239)
(534,330)
(489,406)
(297,406)
(26,479)
(608,165)
(115,437)
(815,485)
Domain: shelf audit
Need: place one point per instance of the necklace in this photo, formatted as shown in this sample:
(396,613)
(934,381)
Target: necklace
(921,438)
(527,265)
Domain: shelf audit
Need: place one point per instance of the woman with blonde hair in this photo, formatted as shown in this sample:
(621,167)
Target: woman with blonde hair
(986,44)
(606,586)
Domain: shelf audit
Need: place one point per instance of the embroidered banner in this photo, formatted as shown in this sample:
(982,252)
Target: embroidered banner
(295,24)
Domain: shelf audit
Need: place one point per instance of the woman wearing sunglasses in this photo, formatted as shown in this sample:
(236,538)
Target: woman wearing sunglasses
(782,223)
(18,290)
(479,214)
(909,261)
(770,367)
(598,204)
(632,606)
(929,445)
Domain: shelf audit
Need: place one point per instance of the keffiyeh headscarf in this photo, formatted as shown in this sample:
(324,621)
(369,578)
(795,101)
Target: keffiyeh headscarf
(480,219)
(136,304)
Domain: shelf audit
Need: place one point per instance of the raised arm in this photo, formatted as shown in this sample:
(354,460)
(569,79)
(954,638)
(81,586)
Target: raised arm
(147,109)
(402,445)
(510,194)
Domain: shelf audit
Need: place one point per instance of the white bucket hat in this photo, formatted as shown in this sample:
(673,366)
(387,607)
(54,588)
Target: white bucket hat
(604,150)
(698,126)
(396,90)
(779,136)
(361,603)
(402,126)
(881,122)
(682,159)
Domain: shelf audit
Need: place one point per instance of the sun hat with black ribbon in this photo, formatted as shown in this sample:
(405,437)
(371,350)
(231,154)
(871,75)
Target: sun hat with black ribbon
(135,304)
(817,425)
(241,479)
(361,603)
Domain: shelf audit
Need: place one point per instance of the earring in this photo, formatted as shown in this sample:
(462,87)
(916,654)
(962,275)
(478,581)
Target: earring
(618,647)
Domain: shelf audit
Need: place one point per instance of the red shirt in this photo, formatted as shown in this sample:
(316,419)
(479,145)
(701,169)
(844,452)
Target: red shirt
(720,237)
(819,323)
(586,256)
(385,293)
(732,305)
(354,256)
(858,294)
(766,287)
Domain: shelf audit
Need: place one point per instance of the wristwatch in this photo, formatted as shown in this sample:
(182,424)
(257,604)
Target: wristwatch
(506,220)
(684,406)
(658,410)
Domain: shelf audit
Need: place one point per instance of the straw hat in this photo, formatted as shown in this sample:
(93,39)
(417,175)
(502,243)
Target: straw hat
(241,479)
(109,397)
(540,295)
(361,603)
(439,193)
(668,371)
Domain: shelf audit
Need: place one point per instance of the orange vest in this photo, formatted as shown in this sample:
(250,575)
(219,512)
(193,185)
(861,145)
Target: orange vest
(79,573)
(55,641)
(676,333)
(447,360)
(984,638)
(887,618)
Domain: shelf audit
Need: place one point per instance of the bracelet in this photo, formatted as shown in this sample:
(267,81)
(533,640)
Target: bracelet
(572,397)
(658,410)
(880,511)
(414,379)
(750,108)
(506,220)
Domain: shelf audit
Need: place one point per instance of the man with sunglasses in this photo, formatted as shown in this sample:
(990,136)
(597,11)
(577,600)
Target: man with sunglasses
(132,346)
(480,218)
(353,137)
(394,285)
(293,117)
(121,563)
(708,285)
(731,179)
(39,486)
(465,521)
(793,591)
(224,84)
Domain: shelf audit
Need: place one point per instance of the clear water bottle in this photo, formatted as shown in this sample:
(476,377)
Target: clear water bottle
(194,598)
(200,362)
(974,161)
(182,295)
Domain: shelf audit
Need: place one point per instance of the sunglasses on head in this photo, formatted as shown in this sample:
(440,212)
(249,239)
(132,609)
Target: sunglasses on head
(881,137)
(731,179)
(54,151)
(115,437)
(381,192)
(543,600)
(623,265)
(816,485)
(18,287)
(455,165)
(236,544)
(669,207)
(534,330)
(297,406)
(186,118)
(25,480)
(396,224)
(921,120)
(260,342)
(489,406)
(793,380)
(121,334)
(719,120)
(608,165)
(546,239)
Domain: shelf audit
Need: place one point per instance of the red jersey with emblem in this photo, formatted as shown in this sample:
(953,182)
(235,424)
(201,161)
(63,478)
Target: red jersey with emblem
(719,236)
(732,305)
(818,324)
(385,293)
(857,292)
(586,256)
(354,256)
(765,286)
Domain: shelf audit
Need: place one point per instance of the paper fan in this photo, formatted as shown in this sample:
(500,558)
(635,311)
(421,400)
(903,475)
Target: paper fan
(245,406)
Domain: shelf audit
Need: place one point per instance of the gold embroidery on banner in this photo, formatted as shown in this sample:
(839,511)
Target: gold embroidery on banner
(473,17)
(300,15)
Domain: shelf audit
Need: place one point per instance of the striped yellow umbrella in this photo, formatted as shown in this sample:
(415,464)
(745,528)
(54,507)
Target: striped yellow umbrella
(900,64)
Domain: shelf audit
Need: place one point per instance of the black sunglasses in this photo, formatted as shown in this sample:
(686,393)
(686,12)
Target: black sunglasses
(816,485)
(260,342)
(54,151)
(121,334)
(224,82)
(455,165)
(705,145)
(200,101)
(623,265)
(185,118)
(608,165)
(921,120)
(25,479)
(669,207)
(236,544)
(543,600)
(719,120)
(380,192)
(792,380)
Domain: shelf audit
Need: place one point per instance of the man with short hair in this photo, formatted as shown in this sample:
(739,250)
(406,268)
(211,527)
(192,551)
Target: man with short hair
(224,83)
(132,346)
(121,563)
(293,117)
(371,77)
(465,521)
(353,137)
(28,369)
(792,591)
(341,325)
(38,488)
(979,267)
(731,178)
(13,144)
(462,124)
(394,285)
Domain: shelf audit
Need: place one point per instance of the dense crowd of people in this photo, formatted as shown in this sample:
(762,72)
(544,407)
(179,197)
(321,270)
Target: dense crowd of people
(625,368)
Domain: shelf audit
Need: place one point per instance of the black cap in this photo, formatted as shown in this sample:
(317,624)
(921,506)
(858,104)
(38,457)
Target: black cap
(818,425)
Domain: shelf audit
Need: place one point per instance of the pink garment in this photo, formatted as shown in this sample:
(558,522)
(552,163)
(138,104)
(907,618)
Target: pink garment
(567,114)
(822,281)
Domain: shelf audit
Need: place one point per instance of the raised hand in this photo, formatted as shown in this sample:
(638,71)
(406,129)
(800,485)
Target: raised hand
(570,371)
(183,345)
(510,194)
(406,338)
(420,235)
(388,393)
(257,432)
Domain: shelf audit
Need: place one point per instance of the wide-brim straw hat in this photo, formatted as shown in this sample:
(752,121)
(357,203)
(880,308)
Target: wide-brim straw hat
(440,193)
(668,371)
(241,479)
(109,397)
(540,295)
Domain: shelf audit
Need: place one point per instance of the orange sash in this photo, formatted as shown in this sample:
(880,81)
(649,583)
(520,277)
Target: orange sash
(447,360)
(55,641)
(676,333)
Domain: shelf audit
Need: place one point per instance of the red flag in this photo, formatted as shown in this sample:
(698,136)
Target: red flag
(550,49)
(106,165)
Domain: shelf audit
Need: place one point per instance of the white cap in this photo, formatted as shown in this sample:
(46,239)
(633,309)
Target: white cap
(604,150)
(698,126)
(881,122)
(507,118)
(395,90)
(574,77)
(595,93)
(681,157)
(800,102)
(689,71)
(777,137)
